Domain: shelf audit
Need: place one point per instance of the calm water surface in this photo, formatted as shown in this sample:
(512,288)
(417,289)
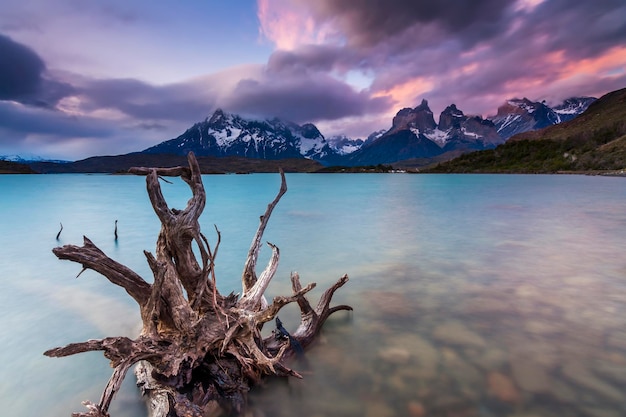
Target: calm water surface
(473,295)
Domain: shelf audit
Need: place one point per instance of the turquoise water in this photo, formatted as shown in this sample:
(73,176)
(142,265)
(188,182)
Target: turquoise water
(474,295)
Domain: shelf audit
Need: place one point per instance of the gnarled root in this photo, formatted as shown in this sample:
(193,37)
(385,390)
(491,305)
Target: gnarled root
(199,351)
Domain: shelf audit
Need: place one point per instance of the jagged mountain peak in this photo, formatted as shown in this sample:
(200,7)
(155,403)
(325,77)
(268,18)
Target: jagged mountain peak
(225,134)
(344,145)
(218,115)
(423,106)
(522,115)
(453,109)
(451,117)
(420,118)
(413,134)
(310,131)
(572,107)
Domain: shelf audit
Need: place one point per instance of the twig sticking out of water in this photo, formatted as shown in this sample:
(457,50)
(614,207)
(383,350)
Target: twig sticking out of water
(115,230)
(59,234)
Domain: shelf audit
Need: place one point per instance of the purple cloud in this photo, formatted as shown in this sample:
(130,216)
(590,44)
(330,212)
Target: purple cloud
(301,98)
(394,52)
(20,70)
(366,23)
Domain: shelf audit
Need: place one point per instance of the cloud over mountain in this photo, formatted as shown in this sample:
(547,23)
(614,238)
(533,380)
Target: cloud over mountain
(146,70)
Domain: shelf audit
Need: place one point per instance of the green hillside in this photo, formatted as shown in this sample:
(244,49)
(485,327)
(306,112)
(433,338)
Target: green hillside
(594,141)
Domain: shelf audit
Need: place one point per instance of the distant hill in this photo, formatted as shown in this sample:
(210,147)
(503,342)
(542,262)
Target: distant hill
(208,164)
(595,140)
(10,167)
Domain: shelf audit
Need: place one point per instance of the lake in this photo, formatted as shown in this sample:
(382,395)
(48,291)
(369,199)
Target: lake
(473,295)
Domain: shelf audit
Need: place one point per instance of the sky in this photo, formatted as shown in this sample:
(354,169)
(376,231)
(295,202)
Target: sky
(80,78)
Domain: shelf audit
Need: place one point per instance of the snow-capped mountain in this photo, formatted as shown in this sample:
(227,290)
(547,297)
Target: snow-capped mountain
(572,107)
(25,159)
(415,134)
(522,115)
(225,134)
(13,158)
(344,145)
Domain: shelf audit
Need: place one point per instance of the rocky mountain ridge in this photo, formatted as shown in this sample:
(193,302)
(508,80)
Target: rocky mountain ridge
(522,115)
(594,142)
(225,134)
(413,134)
(413,140)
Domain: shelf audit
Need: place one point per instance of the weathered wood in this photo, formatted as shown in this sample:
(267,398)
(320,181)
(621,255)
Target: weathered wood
(249,278)
(199,351)
(91,257)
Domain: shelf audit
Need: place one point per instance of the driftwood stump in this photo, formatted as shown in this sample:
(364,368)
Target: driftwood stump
(199,351)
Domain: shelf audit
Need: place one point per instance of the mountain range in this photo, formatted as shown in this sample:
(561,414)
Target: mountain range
(593,141)
(414,139)
(413,134)
(522,115)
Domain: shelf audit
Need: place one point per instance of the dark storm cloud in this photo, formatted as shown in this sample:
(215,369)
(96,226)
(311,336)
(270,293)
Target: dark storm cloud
(427,37)
(369,22)
(469,52)
(582,29)
(303,99)
(22,76)
(20,70)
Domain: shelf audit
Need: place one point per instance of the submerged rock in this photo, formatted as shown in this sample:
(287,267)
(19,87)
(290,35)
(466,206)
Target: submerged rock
(581,376)
(378,409)
(611,371)
(466,374)
(616,340)
(491,359)
(529,375)
(503,388)
(455,333)
(601,412)
(390,303)
(416,409)
(542,327)
(395,355)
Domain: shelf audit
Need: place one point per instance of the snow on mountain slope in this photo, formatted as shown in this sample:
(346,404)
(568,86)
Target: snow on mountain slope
(522,115)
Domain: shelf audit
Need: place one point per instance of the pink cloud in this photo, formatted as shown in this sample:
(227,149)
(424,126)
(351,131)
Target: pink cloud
(289,25)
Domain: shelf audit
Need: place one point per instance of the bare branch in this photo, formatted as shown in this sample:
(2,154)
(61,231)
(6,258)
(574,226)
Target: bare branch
(251,300)
(162,172)
(303,303)
(91,257)
(159,204)
(249,277)
(323,306)
(279,302)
